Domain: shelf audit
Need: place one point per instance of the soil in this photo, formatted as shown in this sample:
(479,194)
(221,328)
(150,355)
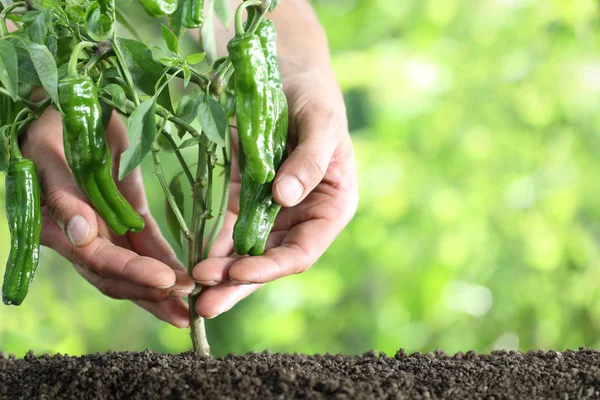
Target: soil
(148,375)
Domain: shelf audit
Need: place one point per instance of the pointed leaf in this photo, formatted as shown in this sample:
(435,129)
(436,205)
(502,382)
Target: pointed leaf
(213,120)
(118,95)
(187,109)
(141,127)
(174,227)
(187,75)
(45,67)
(9,69)
(145,72)
(190,142)
(36,25)
(170,39)
(194,59)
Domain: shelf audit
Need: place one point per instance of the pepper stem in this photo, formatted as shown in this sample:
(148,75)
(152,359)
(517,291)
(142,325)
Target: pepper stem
(5,13)
(72,67)
(239,16)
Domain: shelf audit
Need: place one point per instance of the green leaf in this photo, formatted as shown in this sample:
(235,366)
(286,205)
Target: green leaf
(223,11)
(9,69)
(51,5)
(27,73)
(187,109)
(141,126)
(190,142)
(36,25)
(170,39)
(45,68)
(177,191)
(118,95)
(144,71)
(213,120)
(98,24)
(187,75)
(194,59)
(170,61)
(175,21)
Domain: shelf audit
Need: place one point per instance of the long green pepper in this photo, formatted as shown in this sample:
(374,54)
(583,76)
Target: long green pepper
(157,8)
(24,215)
(253,102)
(258,209)
(88,154)
(192,13)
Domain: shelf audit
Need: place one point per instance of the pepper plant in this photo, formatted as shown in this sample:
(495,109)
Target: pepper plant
(72,49)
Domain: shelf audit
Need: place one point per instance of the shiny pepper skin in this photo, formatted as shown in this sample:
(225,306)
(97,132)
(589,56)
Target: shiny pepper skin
(193,13)
(157,8)
(253,100)
(258,209)
(88,154)
(24,215)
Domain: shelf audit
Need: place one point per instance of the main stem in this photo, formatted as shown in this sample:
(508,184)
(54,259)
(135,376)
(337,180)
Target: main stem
(199,216)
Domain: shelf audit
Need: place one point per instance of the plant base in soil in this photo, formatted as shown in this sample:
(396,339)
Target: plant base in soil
(148,375)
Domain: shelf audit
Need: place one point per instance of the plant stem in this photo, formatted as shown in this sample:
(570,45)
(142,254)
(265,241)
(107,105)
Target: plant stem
(199,214)
(4,14)
(72,67)
(239,14)
(222,207)
(158,171)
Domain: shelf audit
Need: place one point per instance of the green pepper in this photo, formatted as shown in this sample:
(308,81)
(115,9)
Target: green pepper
(192,13)
(88,154)
(157,8)
(258,209)
(24,215)
(253,101)
(273,4)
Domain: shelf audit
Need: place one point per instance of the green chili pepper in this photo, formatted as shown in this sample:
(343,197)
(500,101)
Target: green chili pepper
(273,4)
(88,154)
(157,8)
(258,209)
(192,13)
(24,215)
(253,101)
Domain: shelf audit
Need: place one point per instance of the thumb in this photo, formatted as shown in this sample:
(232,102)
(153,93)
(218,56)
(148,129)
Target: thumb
(308,162)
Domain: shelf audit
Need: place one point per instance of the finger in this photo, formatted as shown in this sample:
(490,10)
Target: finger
(121,290)
(215,270)
(223,245)
(216,300)
(67,204)
(298,251)
(175,312)
(307,164)
(110,261)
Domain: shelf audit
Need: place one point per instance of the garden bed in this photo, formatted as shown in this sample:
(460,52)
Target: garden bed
(148,375)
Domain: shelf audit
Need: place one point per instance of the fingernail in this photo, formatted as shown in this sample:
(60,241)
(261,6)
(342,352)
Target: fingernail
(178,294)
(289,189)
(207,283)
(78,230)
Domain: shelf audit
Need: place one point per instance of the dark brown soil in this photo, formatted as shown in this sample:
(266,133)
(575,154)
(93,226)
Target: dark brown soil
(148,375)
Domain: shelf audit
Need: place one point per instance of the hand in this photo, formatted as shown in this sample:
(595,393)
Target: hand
(317,185)
(141,267)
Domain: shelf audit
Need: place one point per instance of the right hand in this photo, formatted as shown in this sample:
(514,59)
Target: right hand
(141,267)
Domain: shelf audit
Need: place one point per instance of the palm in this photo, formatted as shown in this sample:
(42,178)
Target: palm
(303,231)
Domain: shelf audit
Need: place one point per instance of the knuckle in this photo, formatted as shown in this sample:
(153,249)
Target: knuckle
(58,202)
(313,170)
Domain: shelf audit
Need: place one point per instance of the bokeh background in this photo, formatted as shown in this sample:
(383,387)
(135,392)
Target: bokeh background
(476,128)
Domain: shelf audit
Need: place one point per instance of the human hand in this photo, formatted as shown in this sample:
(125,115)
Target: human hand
(317,184)
(137,266)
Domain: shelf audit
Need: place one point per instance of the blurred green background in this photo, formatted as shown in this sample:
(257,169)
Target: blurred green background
(477,138)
